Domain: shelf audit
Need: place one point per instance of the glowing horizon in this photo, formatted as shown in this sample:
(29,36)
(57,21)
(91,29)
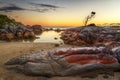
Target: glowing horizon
(61,12)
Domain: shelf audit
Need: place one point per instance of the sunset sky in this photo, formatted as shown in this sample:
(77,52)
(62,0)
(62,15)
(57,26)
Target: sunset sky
(61,12)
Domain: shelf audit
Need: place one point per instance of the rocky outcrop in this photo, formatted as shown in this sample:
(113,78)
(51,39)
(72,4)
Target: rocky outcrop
(10,29)
(67,61)
(5,35)
(90,35)
(37,29)
(10,33)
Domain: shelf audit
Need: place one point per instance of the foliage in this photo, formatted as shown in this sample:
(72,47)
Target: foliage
(89,17)
(92,24)
(4,20)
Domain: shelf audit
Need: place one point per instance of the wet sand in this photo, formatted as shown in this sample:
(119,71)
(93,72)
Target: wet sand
(10,50)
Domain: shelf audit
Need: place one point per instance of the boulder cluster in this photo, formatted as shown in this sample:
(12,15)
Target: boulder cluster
(10,29)
(90,35)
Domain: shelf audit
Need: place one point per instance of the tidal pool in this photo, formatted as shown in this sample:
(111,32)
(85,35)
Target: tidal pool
(47,37)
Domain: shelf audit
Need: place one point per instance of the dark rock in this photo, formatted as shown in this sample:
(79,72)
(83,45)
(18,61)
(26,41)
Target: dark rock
(57,45)
(105,76)
(37,29)
(55,38)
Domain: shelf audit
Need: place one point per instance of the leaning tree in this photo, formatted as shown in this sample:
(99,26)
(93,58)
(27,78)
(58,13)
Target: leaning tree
(89,17)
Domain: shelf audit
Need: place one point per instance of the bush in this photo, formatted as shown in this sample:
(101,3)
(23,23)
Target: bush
(4,20)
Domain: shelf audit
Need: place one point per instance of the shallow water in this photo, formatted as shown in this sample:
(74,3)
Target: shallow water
(47,37)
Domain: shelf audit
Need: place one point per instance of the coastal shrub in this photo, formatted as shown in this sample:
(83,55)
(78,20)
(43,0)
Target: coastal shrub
(4,20)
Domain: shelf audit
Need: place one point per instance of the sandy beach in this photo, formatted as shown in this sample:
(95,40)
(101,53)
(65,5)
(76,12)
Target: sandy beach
(10,50)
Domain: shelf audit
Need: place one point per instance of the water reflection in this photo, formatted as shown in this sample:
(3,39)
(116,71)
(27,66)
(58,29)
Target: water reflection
(118,30)
(49,37)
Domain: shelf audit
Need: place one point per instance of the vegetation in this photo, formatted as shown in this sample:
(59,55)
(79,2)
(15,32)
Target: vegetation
(89,17)
(92,24)
(4,20)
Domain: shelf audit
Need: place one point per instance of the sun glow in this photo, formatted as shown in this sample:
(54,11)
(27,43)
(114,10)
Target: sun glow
(68,13)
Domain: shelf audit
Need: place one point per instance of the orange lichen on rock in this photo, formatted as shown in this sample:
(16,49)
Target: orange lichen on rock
(108,60)
(87,59)
(81,58)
